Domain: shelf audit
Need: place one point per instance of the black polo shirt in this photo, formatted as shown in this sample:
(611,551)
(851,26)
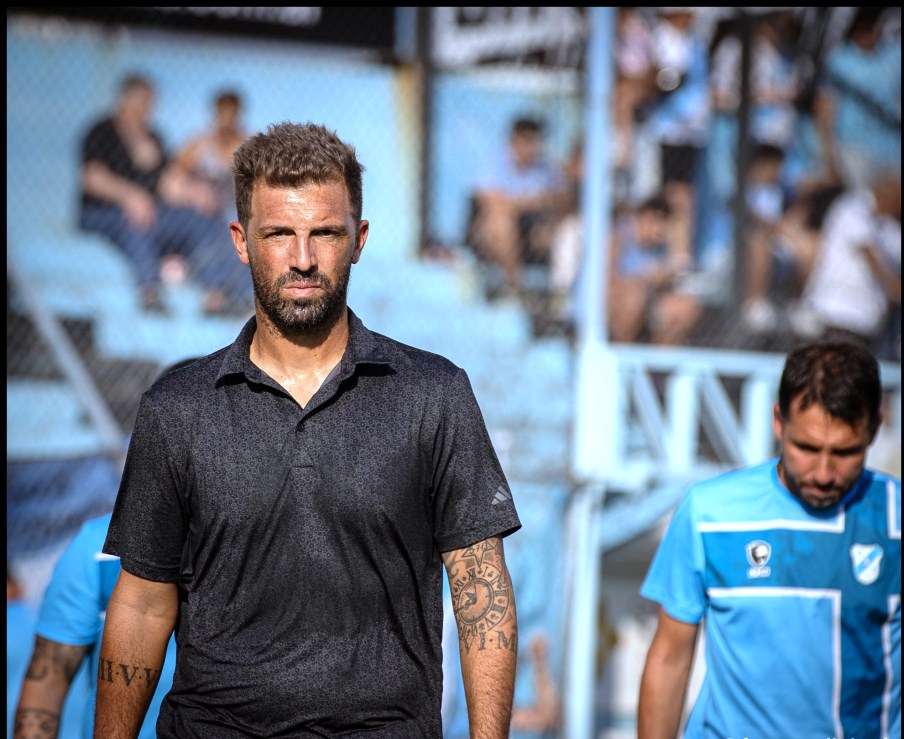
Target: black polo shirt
(306,541)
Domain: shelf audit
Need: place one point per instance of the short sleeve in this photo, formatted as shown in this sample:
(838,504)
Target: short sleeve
(96,145)
(675,578)
(150,519)
(472,500)
(70,609)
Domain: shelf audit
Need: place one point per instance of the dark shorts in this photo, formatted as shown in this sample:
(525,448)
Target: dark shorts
(679,163)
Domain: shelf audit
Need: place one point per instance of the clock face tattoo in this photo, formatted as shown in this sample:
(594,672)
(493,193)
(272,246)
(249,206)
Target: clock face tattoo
(480,591)
(482,602)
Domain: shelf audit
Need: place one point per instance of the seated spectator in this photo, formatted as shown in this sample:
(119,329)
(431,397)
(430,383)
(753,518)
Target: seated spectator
(854,288)
(766,201)
(677,118)
(858,103)
(780,257)
(646,266)
(633,91)
(131,195)
(517,203)
(774,87)
(207,157)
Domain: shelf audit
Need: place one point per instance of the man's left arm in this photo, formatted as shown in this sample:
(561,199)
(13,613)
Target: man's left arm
(484,605)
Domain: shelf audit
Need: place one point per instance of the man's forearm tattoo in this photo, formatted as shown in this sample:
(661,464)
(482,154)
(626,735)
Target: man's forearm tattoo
(54,660)
(112,672)
(36,723)
(482,597)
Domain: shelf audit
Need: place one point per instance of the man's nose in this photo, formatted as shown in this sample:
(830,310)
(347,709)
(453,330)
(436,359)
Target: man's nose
(824,473)
(302,255)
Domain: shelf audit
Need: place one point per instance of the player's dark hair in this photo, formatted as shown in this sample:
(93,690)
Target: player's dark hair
(841,377)
(295,155)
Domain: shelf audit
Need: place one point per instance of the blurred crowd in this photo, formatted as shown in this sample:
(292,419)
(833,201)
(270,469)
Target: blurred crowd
(808,207)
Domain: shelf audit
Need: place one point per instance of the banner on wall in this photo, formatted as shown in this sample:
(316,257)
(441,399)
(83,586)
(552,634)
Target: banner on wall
(367,28)
(546,37)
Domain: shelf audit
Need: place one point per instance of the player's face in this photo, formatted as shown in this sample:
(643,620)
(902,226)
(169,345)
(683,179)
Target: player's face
(300,245)
(822,457)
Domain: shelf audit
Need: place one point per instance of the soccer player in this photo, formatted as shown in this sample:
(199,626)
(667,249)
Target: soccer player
(795,566)
(69,627)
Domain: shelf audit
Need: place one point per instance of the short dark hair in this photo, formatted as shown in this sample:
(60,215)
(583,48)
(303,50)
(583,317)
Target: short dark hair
(228,97)
(842,377)
(656,204)
(292,155)
(767,152)
(133,81)
(527,124)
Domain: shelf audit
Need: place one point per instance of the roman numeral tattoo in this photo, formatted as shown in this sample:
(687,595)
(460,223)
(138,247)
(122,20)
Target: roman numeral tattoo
(110,672)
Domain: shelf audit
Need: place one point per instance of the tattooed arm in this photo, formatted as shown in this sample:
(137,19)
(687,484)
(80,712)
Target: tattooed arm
(141,616)
(47,681)
(484,606)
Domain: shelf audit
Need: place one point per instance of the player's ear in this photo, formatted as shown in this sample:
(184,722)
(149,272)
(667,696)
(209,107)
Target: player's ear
(237,232)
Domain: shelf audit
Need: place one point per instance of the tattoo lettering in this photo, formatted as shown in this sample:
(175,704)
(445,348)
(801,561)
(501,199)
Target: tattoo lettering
(109,671)
(36,723)
(53,659)
(481,595)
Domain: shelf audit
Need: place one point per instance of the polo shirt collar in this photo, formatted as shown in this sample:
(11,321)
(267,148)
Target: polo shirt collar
(363,348)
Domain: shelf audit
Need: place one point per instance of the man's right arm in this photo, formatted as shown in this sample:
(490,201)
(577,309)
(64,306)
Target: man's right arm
(663,687)
(140,618)
(47,681)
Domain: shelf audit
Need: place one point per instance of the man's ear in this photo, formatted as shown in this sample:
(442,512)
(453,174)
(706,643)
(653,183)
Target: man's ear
(778,423)
(360,238)
(239,241)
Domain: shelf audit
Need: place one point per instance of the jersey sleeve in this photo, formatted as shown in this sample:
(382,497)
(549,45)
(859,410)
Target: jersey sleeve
(675,579)
(70,609)
(472,500)
(150,520)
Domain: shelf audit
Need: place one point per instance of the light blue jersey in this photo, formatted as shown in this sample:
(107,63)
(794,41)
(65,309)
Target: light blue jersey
(802,607)
(73,609)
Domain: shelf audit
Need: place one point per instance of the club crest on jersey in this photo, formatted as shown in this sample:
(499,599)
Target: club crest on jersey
(866,559)
(758,554)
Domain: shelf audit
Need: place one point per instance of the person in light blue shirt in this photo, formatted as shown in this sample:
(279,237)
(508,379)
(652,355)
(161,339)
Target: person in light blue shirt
(69,627)
(517,201)
(859,101)
(794,566)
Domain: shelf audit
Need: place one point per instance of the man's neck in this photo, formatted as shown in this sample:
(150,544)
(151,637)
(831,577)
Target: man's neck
(299,362)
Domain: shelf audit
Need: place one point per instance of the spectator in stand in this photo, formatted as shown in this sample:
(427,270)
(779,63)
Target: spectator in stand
(542,717)
(207,157)
(780,257)
(634,86)
(517,204)
(858,105)
(678,118)
(766,204)
(132,195)
(855,284)
(774,85)
(646,267)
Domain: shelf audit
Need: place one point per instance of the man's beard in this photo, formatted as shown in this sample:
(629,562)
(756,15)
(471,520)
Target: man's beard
(796,487)
(302,315)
